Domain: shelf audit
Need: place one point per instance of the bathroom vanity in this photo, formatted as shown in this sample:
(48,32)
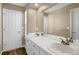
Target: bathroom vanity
(48,45)
(34,46)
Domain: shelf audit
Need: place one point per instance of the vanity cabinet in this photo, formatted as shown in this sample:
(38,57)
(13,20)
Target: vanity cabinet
(34,49)
(28,48)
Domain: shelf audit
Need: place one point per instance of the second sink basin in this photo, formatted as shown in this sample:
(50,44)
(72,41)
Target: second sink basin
(59,48)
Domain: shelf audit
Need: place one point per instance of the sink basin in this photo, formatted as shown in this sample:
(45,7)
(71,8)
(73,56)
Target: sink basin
(59,48)
(76,43)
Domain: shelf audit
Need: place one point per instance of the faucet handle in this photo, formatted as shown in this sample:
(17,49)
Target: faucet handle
(71,40)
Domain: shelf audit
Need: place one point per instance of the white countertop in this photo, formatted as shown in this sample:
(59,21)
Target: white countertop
(44,41)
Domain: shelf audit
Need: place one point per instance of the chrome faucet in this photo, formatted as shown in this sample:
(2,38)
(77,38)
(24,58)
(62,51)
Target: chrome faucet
(37,34)
(67,41)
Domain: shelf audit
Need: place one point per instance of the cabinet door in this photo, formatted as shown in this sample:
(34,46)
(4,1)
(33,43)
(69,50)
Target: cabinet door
(29,48)
(32,48)
(35,48)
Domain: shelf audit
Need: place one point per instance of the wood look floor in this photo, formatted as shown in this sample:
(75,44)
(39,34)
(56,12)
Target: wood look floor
(18,51)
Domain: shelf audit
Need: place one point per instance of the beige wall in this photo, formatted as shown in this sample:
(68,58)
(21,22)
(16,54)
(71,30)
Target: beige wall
(31,20)
(39,21)
(0,26)
(59,21)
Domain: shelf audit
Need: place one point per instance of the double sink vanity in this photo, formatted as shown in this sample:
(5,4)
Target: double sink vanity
(47,44)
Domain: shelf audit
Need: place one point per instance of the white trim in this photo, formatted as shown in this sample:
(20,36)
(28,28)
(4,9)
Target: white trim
(45,24)
(71,23)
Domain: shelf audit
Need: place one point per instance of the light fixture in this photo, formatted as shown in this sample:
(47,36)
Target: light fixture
(36,4)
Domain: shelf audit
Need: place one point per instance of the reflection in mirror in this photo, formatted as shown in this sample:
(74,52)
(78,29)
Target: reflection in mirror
(74,19)
(45,23)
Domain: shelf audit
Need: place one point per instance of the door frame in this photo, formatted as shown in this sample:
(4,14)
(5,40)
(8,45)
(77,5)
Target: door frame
(71,21)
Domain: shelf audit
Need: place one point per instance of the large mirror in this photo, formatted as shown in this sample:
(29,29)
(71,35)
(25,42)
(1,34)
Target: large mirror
(63,21)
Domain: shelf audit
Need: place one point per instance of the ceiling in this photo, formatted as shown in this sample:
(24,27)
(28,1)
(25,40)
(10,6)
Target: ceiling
(20,4)
(51,6)
(31,5)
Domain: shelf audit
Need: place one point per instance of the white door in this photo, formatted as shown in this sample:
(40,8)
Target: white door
(75,23)
(12,29)
(45,24)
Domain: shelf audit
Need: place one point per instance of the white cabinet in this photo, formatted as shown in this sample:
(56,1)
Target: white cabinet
(34,49)
(29,47)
